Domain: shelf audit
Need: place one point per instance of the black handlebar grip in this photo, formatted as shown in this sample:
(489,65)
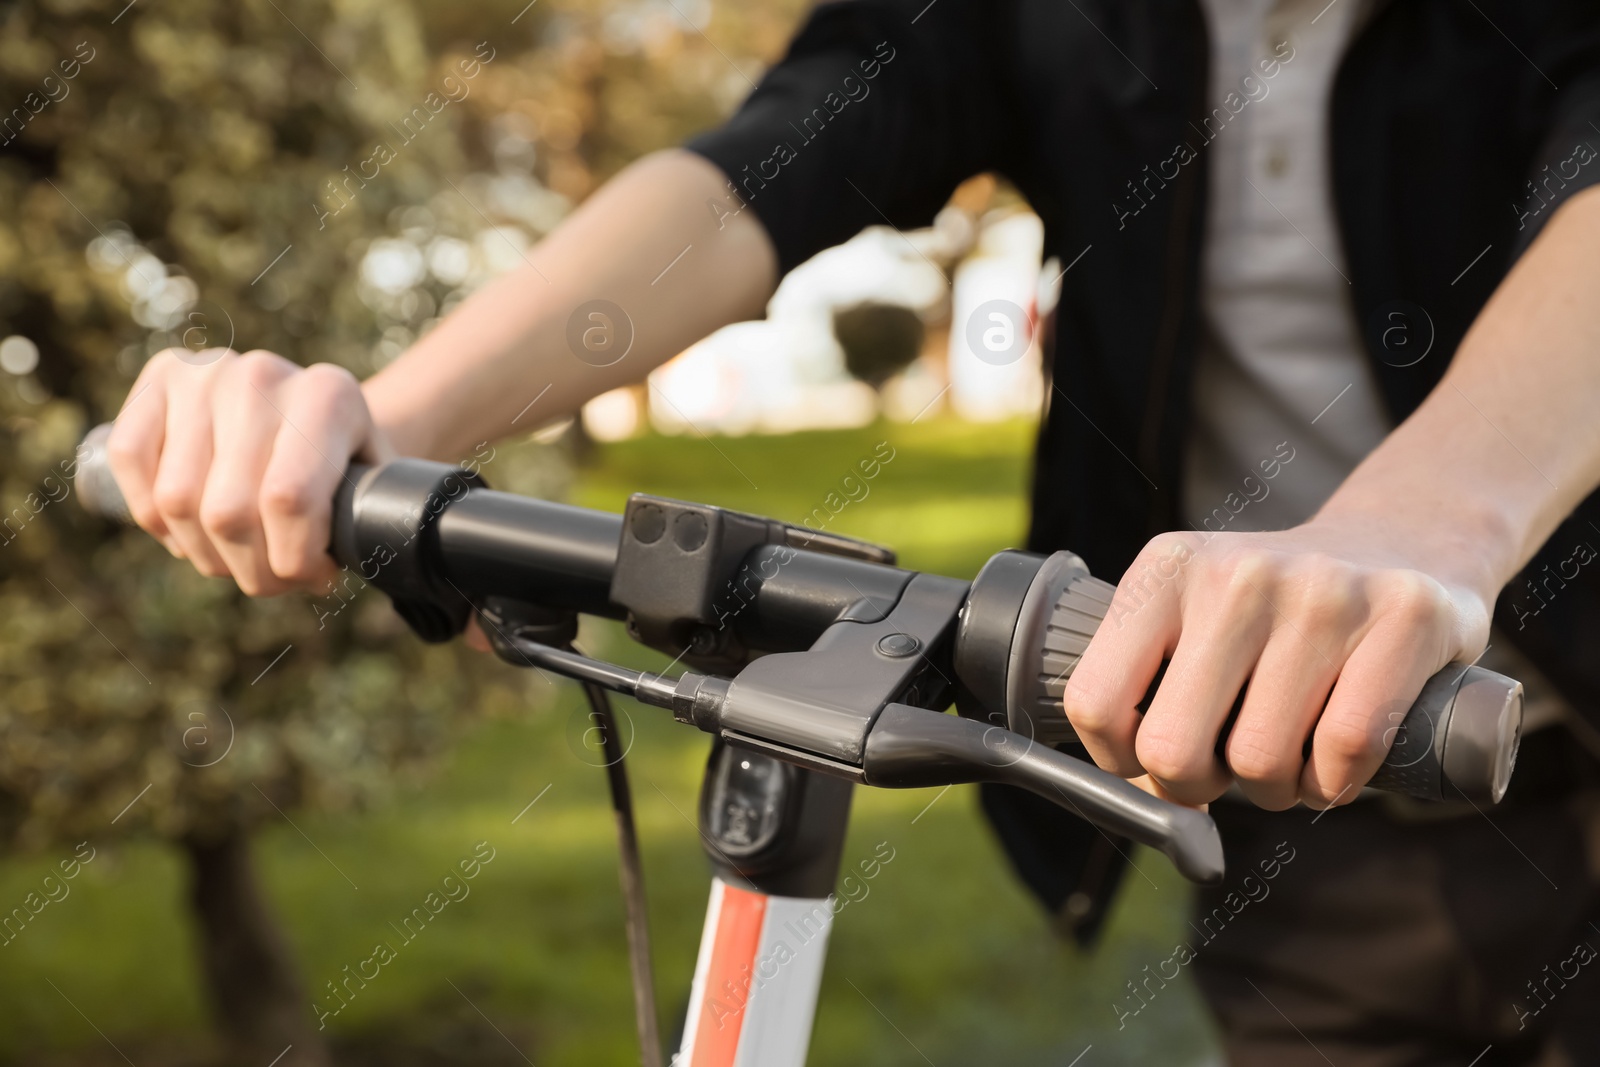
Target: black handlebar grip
(343,545)
(1459,738)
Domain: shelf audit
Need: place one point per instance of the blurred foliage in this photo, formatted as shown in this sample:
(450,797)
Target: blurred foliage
(137,209)
(168,174)
(605,81)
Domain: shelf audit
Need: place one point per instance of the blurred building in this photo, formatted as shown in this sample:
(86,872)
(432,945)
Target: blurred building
(789,371)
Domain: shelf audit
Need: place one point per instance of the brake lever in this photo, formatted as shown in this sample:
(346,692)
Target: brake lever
(913,748)
(910,748)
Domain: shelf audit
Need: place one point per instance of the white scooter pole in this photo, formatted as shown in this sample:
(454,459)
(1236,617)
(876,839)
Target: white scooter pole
(774,834)
(756,980)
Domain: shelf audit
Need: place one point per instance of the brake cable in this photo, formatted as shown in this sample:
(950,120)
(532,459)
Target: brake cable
(631,873)
(512,644)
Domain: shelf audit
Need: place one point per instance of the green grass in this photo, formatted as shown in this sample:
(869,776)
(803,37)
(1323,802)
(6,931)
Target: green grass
(945,961)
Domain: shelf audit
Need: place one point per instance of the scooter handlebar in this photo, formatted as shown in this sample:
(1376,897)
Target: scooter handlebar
(1461,734)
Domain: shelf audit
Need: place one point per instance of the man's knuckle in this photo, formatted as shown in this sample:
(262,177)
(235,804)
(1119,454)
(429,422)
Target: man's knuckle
(260,369)
(1327,596)
(1347,741)
(1252,761)
(297,567)
(326,392)
(162,362)
(1170,545)
(229,518)
(331,375)
(1244,579)
(1087,711)
(1413,600)
(146,514)
(125,447)
(1165,757)
(177,498)
(287,498)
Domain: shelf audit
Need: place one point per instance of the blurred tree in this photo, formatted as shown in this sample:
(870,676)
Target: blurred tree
(177,174)
(879,340)
(597,83)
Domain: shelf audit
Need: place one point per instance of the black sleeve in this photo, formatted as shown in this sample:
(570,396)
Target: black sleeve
(1568,158)
(877,112)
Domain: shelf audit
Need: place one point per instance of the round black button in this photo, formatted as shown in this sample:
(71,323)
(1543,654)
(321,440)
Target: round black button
(898,645)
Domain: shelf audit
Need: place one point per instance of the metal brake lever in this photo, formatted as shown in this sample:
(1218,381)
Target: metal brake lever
(911,748)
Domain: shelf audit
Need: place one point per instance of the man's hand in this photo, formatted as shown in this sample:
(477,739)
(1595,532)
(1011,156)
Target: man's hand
(1328,628)
(232,461)
(1331,628)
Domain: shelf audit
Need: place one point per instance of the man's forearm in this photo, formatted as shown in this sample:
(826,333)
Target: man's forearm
(1508,443)
(649,243)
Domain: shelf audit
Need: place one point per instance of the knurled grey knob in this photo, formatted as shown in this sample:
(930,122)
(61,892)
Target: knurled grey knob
(1063,609)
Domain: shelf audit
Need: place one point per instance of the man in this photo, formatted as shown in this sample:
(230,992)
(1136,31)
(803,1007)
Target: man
(1324,379)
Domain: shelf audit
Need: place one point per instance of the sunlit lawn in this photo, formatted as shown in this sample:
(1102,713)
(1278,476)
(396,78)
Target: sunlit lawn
(946,961)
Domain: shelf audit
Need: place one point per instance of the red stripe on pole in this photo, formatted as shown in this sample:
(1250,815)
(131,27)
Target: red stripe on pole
(728,979)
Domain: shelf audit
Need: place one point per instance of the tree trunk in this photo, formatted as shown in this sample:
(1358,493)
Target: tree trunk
(255,992)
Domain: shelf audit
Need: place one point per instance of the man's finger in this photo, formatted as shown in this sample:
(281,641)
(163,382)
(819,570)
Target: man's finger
(324,423)
(185,462)
(1214,656)
(134,447)
(1384,674)
(1139,631)
(246,429)
(1285,695)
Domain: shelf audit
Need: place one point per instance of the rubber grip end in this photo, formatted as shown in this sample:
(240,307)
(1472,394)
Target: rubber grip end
(98,491)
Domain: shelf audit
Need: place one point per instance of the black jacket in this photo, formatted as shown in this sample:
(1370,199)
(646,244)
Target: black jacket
(1457,127)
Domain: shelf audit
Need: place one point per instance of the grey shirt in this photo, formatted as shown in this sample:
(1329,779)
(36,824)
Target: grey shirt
(1285,402)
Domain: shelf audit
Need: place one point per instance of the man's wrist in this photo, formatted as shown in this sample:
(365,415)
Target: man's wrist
(408,432)
(1457,535)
